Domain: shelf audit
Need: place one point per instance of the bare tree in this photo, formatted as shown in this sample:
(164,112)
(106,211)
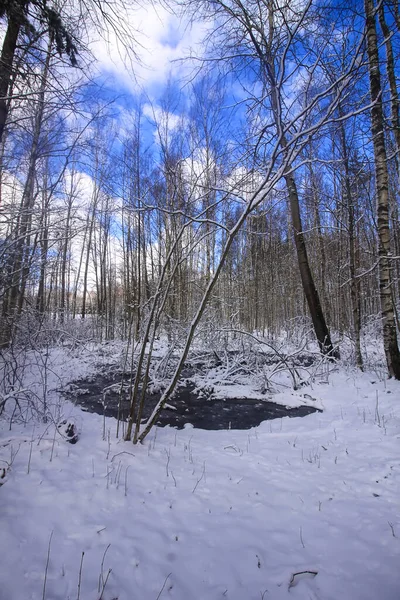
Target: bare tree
(265,37)
(14,296)
(21,16)
(382,194)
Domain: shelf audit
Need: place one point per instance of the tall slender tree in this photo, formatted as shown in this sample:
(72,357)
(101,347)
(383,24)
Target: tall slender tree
(266,36)
(21,16)
(382,194)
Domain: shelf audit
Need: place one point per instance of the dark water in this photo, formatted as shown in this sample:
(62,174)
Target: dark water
(190,406)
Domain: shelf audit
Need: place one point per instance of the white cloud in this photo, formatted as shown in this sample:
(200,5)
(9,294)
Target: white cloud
(167,121)
(159,38)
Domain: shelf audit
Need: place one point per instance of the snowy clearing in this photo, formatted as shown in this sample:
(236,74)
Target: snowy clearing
(296,508)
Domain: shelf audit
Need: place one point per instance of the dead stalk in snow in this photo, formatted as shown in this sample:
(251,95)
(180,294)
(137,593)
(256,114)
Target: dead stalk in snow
(168,453)
(102,580)
(126,480)
(392,529)
(54,441)
(47,567)
(30,450)
(200,478)
(163,586)
(301,537)
(80,577)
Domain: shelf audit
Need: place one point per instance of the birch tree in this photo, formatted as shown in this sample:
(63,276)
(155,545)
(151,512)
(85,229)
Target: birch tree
(382,194)
(267,38)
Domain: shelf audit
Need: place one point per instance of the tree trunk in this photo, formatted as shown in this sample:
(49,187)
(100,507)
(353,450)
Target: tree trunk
(14,298)
(64,258)
(6,62)
(310,291)
(382,196)
(44,248)
(354,281)
(395,128)
(267,56)
(88,249)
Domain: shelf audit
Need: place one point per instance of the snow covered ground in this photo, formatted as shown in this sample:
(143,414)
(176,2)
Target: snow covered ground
(293,509)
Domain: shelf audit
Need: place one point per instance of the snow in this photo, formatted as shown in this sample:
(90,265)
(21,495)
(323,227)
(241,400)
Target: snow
(289,399)
(296,508)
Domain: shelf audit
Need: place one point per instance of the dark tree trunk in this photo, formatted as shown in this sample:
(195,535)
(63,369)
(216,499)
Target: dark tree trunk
(6,63)
(310,291)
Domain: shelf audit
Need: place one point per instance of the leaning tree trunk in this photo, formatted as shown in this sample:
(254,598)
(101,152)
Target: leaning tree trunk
(267,56)
(382,195)
(310,291)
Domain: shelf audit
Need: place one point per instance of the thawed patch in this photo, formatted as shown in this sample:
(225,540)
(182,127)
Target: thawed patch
(292,509)
(216,405)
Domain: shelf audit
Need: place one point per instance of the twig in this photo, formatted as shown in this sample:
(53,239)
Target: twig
(294,575)
(168,453)
(392,528)
(30,450)
(301,537)
(202,475)
(47,566)
(118,474)
(377,415)
(163,586)
(104,584)
(126,480)
(173,477)
(108,443)
(123,452)
(101,579)
(54,441)
(80,577)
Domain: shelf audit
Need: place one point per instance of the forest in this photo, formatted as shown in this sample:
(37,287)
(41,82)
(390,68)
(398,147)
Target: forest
(200,203)
(265,181)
